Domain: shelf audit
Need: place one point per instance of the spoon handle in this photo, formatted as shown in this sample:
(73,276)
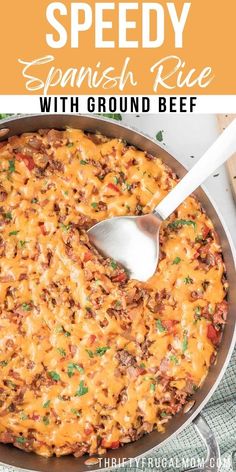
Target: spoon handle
(221,150)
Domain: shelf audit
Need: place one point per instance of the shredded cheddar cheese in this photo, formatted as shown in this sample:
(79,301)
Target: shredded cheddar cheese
(90,360)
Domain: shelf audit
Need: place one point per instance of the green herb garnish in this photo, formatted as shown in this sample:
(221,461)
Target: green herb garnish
(174,359)
(113,116)
(12,167)
(176,260)
(163,414)
(90,353)
(46,404)
(61,351)
(179,223)
(100,351)
(20,440)
(152,387)
(159,136)
(82,389)
(26,306)
(188,280)
(46,420)
(113,265)
(34,200)
(116,180)
(197,312)
(3,363)
(160,326)
(23,243)
(72,367)
(185,342)
(75,412)
(69,145)
(66,228)
(8,216)
(94,204)
(83,162)
(54,375)
(23,416)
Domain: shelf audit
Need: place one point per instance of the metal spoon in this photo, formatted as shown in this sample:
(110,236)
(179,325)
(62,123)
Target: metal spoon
(133,241)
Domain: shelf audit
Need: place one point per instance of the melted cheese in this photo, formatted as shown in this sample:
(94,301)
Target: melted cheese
(49,290)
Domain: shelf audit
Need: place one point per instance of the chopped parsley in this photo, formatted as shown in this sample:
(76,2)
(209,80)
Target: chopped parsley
(61,351)
(160,326)
(34,200)
(185,342)
(152,387)
(12,167)
(69,145)
(67,333)
(82,390)
(197,312)
(116,180)
(100,351)
(75,412)
(113,116)
(46,420)
(66,228)
(20,440)
(13,233)
(113,265)
(94,205)
(90,353)
(159,136)
(83,162)
(3,363)
(23,416)
(54,375)
(188,280)
(142,365)
(128,186)
(22,243)
(72,367)
(179,223)
(26,306)
(8,216)
(46,404)
(176,260)
(163,414)
(174,359)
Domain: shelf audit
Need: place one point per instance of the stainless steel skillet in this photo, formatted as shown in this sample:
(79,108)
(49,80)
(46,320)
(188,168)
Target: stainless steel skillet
(14,457)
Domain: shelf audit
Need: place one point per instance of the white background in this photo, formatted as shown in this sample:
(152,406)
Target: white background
(186,136)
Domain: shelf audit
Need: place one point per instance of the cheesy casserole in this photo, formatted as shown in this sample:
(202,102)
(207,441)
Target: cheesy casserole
(90,360)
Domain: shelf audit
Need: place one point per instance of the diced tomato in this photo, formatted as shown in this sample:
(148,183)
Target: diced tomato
(110,444)
(91,339)
(120,277)
(88,256)
(113,187)
(28,160)
(213,335)
(43,229)
(88,429)
(169,324)
(205,231)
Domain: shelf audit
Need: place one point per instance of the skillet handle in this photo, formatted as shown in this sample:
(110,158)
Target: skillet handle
(212,461)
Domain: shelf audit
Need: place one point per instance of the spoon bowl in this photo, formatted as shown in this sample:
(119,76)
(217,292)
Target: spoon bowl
(134,240)
(130,240)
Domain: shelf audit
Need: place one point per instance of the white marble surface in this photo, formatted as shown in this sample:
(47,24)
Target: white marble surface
(187,137)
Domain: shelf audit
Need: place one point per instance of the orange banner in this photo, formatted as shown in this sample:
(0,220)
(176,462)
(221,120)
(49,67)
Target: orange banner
(94,47)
